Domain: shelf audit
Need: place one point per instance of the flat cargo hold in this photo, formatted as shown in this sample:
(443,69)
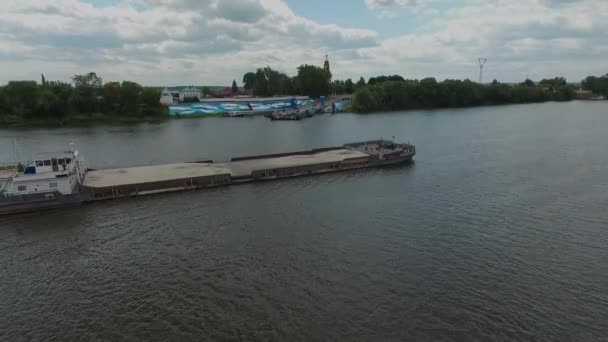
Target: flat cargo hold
(243,168)
(155,177)
(144,180)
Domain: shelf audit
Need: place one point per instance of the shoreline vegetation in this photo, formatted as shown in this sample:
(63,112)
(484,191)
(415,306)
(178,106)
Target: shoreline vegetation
(392,95)
(395,93)
(11,121)
(87,100)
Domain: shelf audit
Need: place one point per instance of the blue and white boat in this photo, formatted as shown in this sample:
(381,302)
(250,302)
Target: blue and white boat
(50,180)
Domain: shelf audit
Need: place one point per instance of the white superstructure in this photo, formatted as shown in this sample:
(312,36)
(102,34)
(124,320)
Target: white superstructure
(166,97)
(49,173)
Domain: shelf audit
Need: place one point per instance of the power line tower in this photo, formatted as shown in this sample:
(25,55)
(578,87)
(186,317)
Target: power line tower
(482,64)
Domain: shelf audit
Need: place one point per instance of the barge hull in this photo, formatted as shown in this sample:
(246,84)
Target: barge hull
(148,180)
(32,202)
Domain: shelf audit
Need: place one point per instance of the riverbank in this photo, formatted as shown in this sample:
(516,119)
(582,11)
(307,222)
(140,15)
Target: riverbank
(87,100)
(13,121)
(430,94)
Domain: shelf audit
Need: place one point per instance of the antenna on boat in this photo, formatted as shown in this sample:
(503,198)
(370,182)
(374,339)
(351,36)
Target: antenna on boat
(14,154)
(16,151)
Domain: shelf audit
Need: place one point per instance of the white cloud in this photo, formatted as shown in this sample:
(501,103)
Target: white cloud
(379,4)
(539,37)
(175,41)
(158,42)
(390,9)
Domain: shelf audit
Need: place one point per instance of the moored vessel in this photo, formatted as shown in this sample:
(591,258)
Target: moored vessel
(384,152)
(48,181)
(60,179)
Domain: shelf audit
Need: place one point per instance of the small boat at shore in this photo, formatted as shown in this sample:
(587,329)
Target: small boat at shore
(285,117)
(235,114)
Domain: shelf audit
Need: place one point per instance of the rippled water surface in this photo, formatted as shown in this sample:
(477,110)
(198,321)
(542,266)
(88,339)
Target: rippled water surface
(499,231)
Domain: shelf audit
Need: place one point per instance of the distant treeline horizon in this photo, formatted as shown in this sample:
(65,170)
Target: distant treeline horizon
(374,79)
(394,92)
(389,93)
(87,97)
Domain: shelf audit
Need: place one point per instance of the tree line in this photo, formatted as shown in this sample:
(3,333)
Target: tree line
(86,96)
(388,93)
(597,85)
(310,80)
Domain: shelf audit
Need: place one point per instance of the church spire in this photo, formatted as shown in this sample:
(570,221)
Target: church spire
(326,66)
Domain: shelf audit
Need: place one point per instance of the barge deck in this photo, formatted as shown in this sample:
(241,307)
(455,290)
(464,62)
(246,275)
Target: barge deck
(146,180)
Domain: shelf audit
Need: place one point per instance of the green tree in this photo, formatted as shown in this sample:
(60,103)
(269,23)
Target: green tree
(23,97)
(49,104)
(564,93)
(349,86)
(381,79)
(364,101)
(262,85)
(150,104)
(130,93)
(313,81)
(58,100)
(268,82)
(249,81)
(87,92)
(235,88)
(207,92)
(286,86)
(428,93)
(112,96)
(598,85)
(4,104)
(360,83)
(63,91)
(529,83)
(553,84)
(338,87)
(294,86)
(273,78)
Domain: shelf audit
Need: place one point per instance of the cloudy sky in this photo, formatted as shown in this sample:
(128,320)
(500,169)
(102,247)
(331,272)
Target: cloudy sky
(181,42)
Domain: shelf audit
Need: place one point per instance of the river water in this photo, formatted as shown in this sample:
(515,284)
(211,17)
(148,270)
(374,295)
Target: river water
(499,231)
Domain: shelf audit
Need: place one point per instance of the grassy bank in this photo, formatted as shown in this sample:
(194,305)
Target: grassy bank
(14,121)
(195,116)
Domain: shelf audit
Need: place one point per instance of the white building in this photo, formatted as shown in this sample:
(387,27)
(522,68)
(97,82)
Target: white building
(166,97)
(190,93)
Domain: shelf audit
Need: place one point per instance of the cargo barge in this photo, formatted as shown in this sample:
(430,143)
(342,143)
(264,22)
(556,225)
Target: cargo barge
(97,185)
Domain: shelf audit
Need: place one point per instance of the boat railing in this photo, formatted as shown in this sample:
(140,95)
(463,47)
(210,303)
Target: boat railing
(10,167)
(379,143)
